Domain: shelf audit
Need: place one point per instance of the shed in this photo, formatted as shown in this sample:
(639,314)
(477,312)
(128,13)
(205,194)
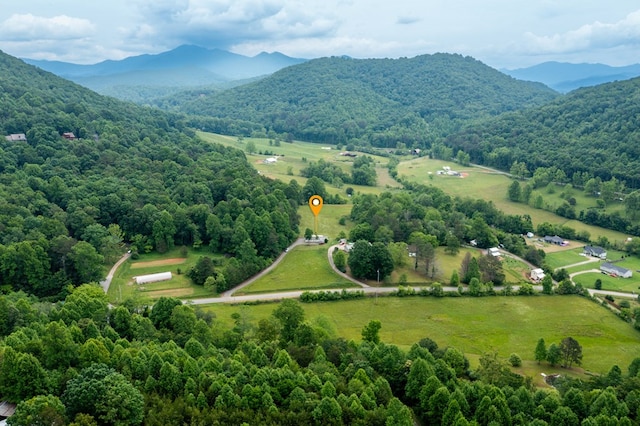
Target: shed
(555,240)
(152,278)
(16,137)
(615,270)
(494,251)
(537,274)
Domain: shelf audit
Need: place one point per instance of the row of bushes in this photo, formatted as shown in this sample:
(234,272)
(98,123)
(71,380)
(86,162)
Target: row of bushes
(328,296)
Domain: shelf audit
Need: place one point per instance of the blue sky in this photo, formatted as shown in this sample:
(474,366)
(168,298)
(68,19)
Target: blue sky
(501,33)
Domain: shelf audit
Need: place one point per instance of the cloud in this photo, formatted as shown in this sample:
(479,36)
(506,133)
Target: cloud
(407,20)
(223,23)
(29,28)
(597,35)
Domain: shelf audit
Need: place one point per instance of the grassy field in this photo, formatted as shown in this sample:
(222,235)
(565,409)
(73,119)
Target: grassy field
(505,324)
(609,283)
(564,258)
(493,186)
(328,220)
(293,157)
(123,285)
(304,268)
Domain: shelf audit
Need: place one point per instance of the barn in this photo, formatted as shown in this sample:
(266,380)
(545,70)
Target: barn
(152,278)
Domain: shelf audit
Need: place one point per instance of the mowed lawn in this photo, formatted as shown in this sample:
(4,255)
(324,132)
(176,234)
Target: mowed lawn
(327,221)
(123,285)
(303,268)
(478,325)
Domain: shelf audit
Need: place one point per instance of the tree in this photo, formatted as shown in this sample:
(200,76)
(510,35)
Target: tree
(598,284)
(473,271)
(361,260)
(425,248)
(452,244)
(399,254)
(291,315)
(162,310)
(203,269)
(632,205)
(340,260)
(554,355)
(106,395)
(571,352)
(491,269)
(515,192)
(370,333)
(250,147)
(547,284)
(87,263)
(39,410)
(21,376)
(540,353)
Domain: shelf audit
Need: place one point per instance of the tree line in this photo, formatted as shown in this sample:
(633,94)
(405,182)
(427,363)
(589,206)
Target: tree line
(82,362)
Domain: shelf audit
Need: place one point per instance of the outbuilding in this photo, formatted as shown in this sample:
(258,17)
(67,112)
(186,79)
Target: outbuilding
(537,274)
(152,278)
(615,270)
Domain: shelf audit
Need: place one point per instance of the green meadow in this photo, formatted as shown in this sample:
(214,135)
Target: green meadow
(303,268)
(476,325)
(293,157)
(492,186)
(123,285)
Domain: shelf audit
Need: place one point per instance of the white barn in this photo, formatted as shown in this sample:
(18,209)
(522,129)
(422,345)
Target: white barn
(537,274)
(152,278)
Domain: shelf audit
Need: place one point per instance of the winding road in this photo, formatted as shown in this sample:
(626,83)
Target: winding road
(228,296)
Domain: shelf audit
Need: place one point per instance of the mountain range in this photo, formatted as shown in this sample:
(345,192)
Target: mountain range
(146,77)
(565,77)
(184,67)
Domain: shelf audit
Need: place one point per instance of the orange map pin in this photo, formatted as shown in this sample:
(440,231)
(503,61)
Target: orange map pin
(315,203)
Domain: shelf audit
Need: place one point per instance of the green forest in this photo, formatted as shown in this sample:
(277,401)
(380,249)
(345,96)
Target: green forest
(376,102)
(138,178)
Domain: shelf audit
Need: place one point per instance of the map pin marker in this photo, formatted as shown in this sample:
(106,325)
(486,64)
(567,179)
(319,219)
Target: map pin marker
(315,203)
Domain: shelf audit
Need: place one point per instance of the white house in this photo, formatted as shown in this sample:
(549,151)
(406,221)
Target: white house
(537,274)
(270,160)
(152,278)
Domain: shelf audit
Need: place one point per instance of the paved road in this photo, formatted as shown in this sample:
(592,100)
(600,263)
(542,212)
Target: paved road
(339,272)
(107,281)
(261,274)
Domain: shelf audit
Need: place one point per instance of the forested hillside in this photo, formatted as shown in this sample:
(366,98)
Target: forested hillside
(129,174)
(594,130)
(371,101)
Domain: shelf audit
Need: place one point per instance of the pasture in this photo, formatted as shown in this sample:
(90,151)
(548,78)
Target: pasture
(477,325)
(493,186)
(293,157)
(303,268)
(177,261)
(328,220)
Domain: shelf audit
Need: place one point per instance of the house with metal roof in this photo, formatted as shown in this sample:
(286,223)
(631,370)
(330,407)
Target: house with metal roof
(595,251)
(615,270)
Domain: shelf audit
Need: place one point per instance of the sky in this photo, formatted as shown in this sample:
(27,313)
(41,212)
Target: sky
(501,33)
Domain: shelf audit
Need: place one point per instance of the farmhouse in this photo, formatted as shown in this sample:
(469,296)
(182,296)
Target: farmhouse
(494,251)
(537,274)
(16,137)
(555,240)
(152,278)
(595,251)
(69,136)
(615,270)
(270,160)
